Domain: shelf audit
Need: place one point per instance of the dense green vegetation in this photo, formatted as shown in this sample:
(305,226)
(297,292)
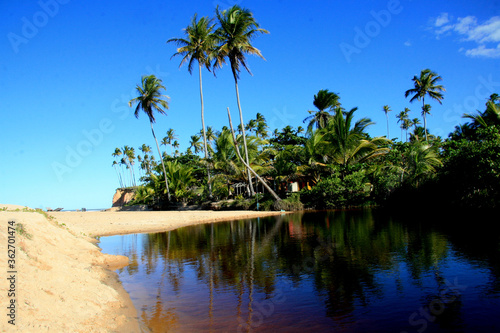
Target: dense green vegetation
(335,162)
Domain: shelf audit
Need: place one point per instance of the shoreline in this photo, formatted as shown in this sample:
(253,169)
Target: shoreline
(108,223)
(66,283)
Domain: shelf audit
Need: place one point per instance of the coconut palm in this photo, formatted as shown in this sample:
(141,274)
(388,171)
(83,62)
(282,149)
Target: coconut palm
(146,162)
(386,110)
(491,116)
(426,85)
(149,100)
(426,109)
(324,101)
(129,153)
(116,154)
(419,161)
(198,46)
(169,139)
(350,144)
(237,29)
(403,119)
(262,127)
(195,143)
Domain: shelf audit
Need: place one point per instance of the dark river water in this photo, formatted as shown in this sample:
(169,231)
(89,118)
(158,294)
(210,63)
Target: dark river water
(335,271)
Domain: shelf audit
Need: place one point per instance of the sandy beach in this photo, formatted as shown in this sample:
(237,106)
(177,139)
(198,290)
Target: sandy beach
(63,282)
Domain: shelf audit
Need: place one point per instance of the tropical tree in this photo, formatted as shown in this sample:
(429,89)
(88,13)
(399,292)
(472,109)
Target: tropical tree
(196,144)
(198,46)
(420,161)
(129,154)
(114,164)
(386,110)
(261,129)
(237,29)
(169,139)
(324,101)
(150,99)
(490,117)
(181,179)
(348,144)
(116,155)
(404,120)
(426,85)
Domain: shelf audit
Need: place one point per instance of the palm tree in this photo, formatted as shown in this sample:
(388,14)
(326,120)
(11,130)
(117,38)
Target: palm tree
(114,164)
(324,101)
(168,140)
(491,116)
(426,109)
(403,119)
(349,144)
(198,45)
(419,162)
(116,154)
(426,85)
(146,163)
(261,126)
(387,109)
(129,152)
(237,29)
(149,100)
(195,144)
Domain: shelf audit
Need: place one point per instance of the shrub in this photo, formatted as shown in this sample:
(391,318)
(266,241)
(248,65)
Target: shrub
(335,192)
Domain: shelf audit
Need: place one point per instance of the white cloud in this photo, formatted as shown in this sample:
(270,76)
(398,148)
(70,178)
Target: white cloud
(468,28)
(441,20)
(483,51)
(407,43)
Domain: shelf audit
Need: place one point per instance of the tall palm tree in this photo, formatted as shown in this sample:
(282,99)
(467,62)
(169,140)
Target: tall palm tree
(149,100)
(198,45)
(426,85)
(169,139)
(387,109)
(129,153)
(116,154)
(237,29)
(324,101)
(403,119)
(426,109)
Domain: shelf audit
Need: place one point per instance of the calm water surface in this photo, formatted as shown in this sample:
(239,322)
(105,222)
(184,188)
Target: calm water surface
(348,271)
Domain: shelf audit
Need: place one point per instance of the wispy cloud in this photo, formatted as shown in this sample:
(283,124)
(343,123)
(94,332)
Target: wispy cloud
(485,35)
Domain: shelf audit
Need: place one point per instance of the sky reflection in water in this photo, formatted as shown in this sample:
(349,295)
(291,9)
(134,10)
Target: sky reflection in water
(348,271)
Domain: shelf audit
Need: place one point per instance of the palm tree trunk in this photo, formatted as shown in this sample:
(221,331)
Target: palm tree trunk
(204,135)
(387,117)
(162,163)
(425,122)
(248,166)
(252,193)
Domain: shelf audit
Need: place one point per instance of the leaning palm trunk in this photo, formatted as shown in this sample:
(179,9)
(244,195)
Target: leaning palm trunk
(205,136)
(246,164)
(252,193)
(162,163)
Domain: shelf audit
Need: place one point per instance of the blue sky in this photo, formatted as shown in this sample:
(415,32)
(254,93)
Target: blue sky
(68,69)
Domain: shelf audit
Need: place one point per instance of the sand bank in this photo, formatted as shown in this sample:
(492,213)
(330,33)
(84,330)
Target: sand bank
(63,281)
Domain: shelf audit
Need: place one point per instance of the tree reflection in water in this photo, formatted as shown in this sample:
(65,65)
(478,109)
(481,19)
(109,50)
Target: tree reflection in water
(312,271)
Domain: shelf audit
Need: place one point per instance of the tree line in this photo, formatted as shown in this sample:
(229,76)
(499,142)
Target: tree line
(334,159)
